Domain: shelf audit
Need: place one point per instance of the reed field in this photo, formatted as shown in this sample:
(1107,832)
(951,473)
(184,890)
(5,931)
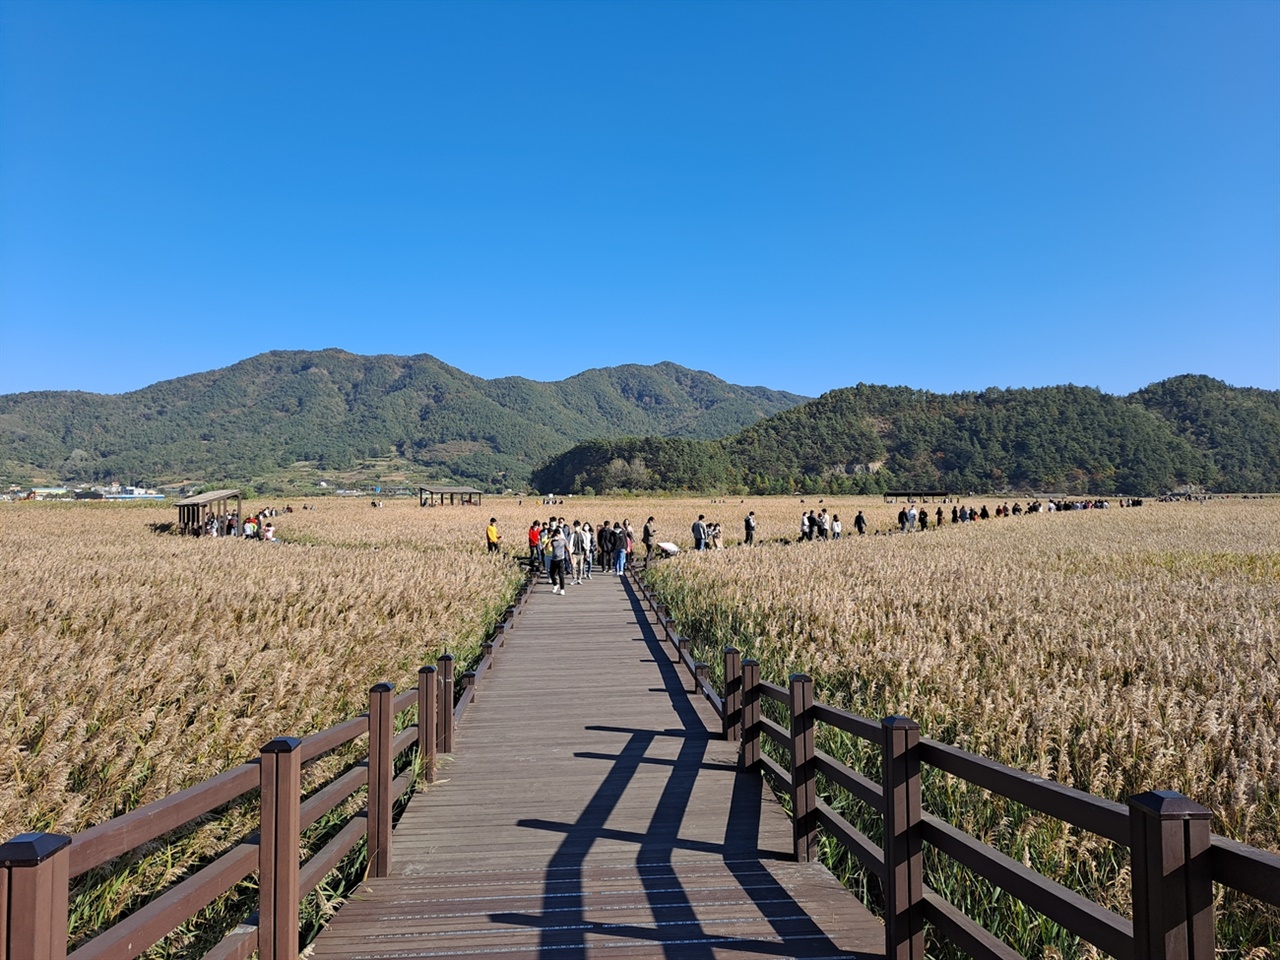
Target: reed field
(1114,650)
(137,663)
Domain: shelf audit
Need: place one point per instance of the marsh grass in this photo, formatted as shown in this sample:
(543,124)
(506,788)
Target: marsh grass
(1113,651)
(137,663)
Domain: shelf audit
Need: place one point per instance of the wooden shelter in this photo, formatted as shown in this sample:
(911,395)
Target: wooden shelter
(891,496)
(464,495)
(194,512)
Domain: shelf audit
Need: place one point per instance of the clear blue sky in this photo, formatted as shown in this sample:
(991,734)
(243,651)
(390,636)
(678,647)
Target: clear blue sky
(799,195)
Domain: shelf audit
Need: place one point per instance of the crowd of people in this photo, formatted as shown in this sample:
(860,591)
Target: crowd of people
(257,526)
(569,554)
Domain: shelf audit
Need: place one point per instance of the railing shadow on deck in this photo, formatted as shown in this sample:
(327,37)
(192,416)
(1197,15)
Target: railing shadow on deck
(1174,859)
(36,869)
(563,917)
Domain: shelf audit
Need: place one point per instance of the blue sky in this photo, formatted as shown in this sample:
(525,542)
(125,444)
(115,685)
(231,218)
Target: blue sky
(797,195)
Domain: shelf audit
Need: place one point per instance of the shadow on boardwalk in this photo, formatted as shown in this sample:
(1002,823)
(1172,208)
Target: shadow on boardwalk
(591,810)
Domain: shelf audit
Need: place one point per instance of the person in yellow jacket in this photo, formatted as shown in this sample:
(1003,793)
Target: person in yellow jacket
(491,534)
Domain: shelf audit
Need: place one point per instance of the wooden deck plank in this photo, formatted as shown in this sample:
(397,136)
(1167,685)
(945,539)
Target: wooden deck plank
(591,809)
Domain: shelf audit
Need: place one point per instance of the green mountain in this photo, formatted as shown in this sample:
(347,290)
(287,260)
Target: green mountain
(1237,427)
(301,413)
(1067,439)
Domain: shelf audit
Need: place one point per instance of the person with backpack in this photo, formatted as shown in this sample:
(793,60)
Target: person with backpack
(750,524)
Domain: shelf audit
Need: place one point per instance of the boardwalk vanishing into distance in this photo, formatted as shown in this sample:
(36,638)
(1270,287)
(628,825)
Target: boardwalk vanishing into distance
(592,808)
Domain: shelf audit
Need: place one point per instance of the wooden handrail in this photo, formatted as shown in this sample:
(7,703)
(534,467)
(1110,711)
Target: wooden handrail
(335,792)
(771,691)
(1107,931)
(150,924)
(961,931)
(1157,879)
(95,846)
(860,727)
(1103,817)
(326,741)
(862,787)
(1247,869)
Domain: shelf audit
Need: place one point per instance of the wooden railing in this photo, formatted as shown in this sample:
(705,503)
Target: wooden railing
(1174,858)
(36,868)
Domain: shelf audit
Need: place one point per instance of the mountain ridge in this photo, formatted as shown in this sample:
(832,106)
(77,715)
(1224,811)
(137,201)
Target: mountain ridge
(285,419)
(1188,430)
(333,409)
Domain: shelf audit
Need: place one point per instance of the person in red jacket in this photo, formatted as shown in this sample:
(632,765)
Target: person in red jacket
(535,552)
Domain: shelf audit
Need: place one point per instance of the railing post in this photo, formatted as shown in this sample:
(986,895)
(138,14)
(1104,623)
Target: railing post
(278,843)
(444,729)
(804,787)
(1172,878)
(486,650)
(380,778)
(427,694)
(34,885)
(904,883)
(469,683)
(701,675)
(732,694)
(750,714)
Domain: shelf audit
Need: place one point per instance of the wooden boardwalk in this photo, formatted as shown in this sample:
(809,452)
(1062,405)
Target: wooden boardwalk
(591,809)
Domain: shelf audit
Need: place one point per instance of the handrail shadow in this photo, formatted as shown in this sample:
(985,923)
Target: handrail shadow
(676,926)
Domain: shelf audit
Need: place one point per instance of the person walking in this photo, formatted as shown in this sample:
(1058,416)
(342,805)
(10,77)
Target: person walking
(589,535)
(836,527)
(578,551)
(860,524)
(559,554)
(604,545)
(491,535)
(699,530)
(545,539)
(647,537)
(535,547)
(750,523)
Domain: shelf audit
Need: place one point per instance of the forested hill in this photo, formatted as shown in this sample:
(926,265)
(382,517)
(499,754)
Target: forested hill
(320,411)
(1188,429)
